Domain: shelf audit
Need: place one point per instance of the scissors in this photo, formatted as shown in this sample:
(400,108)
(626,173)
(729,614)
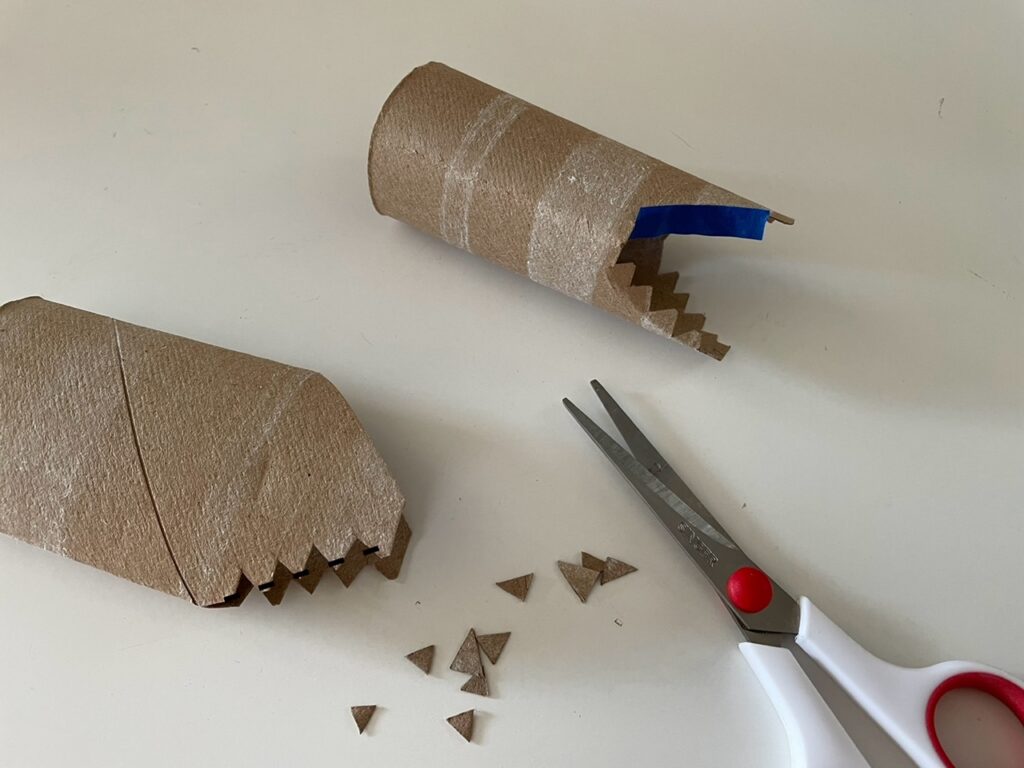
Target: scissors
(901,700)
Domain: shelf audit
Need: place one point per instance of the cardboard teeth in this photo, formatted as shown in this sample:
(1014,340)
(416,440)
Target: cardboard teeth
(542,196)
(184,467)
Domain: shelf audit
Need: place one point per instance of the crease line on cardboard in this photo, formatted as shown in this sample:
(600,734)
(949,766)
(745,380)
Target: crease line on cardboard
(142,463)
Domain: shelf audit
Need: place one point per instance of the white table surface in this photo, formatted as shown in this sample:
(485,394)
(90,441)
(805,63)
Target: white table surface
(200,168)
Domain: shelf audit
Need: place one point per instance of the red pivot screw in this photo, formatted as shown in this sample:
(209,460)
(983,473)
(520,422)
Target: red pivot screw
(749,590)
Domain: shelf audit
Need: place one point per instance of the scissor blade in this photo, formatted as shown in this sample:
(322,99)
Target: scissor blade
(647,485)
(652,459)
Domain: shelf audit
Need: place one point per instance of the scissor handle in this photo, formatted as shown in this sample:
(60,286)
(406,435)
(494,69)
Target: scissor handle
(816,737)
(901,700)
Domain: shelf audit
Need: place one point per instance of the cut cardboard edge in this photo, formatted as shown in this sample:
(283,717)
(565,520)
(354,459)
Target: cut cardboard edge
(309,578)
(652,296)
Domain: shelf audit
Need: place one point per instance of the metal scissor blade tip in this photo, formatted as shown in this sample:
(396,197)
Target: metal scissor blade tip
(663,502)
(584,421)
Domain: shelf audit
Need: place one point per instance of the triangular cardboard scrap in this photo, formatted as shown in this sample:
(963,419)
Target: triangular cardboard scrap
(478,685)
(467,660)
(582,580)
(463,723)
(493,645)
(423,658)
(545,197)
(362,715)
(518,587)
(592,562)
(615,569)
(182,466)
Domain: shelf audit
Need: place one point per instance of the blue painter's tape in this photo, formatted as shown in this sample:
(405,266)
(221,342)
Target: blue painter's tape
(713,220)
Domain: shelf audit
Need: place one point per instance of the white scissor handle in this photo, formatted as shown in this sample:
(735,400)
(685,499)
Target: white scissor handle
(901,700)
(816,738)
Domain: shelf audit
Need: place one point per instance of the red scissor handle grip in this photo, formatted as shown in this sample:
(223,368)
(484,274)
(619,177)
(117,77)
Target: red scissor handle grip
(1006,691)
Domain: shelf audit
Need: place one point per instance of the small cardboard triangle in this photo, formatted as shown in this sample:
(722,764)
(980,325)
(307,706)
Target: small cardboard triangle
(582,580)
(517,587)
(362,715)
(590,561)
(463,723)
(615,569)
(493,645)
(423,658)
(467,660)
(477,685)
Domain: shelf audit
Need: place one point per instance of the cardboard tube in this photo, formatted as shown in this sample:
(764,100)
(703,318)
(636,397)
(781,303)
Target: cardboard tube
(547,198)
(182,466)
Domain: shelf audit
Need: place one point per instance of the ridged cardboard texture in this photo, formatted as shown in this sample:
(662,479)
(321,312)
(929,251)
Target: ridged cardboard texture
(181,466)
(537,194)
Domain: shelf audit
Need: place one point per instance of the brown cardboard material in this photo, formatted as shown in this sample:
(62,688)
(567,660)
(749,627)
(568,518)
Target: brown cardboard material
(423,658)
(537,194)
(493,645)
(519,587)
(478,685)
(591,561)
(467,660)
(362,715)
(615,569)
(463,723)
(391,565)
(181,466)
(582,580)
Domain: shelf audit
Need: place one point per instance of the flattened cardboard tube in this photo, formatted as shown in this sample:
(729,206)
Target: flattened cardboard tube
(537,194)
(181,466)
